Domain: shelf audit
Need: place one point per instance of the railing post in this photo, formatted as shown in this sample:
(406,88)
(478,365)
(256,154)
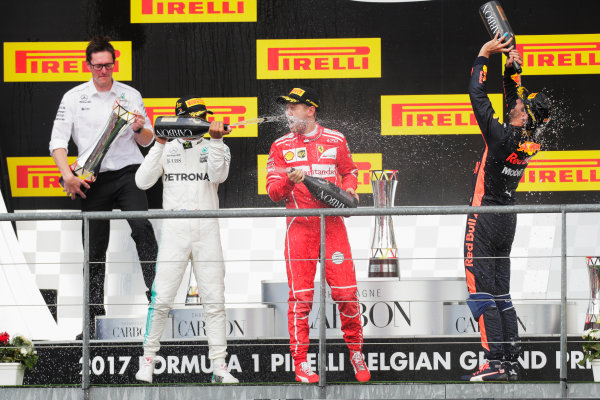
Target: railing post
(322,314)
(85,371)
(563,306)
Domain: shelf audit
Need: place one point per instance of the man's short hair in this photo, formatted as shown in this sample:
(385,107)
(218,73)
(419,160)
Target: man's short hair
(98,44)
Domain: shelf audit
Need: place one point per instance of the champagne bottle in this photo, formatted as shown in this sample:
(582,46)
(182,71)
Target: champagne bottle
(169,127)
(495,21)
(328,193)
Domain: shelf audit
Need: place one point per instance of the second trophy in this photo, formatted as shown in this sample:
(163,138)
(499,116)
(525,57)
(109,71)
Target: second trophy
(384,252)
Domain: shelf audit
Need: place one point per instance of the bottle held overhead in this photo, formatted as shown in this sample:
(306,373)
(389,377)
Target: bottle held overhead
(495,21)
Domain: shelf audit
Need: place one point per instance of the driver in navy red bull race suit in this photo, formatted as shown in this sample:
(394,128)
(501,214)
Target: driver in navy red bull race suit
(488,237)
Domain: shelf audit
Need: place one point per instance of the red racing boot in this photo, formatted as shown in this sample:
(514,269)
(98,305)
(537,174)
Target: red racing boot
(305,374)
(360,368)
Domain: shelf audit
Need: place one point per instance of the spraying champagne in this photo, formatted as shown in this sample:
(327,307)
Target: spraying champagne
(495,21)
(170,127)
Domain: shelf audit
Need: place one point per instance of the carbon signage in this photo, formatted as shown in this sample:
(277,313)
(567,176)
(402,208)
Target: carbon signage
(166,11)
(438,114)
(562,171)
(560,54)
(364,162)
(34,177)
(318,58)
(58,62)
(226,109)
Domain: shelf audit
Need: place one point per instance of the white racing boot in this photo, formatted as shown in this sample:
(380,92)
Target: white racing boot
(220,373)
(146,370)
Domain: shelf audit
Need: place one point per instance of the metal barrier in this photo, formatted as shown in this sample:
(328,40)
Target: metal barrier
(322,213)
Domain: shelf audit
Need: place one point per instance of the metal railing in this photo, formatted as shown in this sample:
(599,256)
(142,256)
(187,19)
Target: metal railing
(86,217)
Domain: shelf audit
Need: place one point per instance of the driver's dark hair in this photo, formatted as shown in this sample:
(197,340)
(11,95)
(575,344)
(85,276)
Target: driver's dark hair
(98,44)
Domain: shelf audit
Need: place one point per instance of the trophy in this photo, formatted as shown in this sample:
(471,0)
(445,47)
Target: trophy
(192,297)
(593,312)
(88,163)
(384,254)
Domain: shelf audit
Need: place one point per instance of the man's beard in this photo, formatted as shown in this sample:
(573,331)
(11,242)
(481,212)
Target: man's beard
(297,126)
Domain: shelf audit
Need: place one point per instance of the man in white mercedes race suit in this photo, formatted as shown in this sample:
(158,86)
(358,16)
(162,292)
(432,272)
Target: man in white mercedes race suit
(191,171)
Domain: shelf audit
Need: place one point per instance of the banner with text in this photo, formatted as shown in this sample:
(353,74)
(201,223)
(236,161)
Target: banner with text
(170,11)
(58,61)
(405,359)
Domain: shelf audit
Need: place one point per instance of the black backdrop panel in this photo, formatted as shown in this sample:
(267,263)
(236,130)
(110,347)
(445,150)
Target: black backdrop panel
(427,48)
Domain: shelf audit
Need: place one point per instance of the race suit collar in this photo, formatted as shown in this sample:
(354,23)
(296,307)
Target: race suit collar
(195,142)
(313,135)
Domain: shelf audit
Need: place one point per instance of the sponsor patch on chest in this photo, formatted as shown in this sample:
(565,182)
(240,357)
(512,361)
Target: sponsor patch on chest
(293,155)
(327,152)
(323,170)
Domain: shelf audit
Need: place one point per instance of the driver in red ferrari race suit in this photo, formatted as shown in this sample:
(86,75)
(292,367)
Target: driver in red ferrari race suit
(489,237)
(317,151)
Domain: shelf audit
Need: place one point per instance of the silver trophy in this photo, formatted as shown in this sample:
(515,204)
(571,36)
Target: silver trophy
(593,312)
(88,163)
(192,297)
(384,253)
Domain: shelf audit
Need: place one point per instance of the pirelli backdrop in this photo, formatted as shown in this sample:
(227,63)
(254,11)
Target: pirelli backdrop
(392,77)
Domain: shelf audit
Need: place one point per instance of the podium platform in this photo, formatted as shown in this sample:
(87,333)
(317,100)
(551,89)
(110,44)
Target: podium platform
(375,390)
(389,308)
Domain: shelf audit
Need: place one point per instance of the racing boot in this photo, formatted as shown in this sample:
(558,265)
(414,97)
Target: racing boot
(305,374)
(221,374)
(360,368)
(492,370)
(512,370)
(146,370)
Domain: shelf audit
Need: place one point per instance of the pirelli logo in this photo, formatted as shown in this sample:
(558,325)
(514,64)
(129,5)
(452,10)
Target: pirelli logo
(441,114)
(365,162)
(226,109)
(560,54)
(58,62)
(318,58)
(168,11)
(562,171)
(34,177)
